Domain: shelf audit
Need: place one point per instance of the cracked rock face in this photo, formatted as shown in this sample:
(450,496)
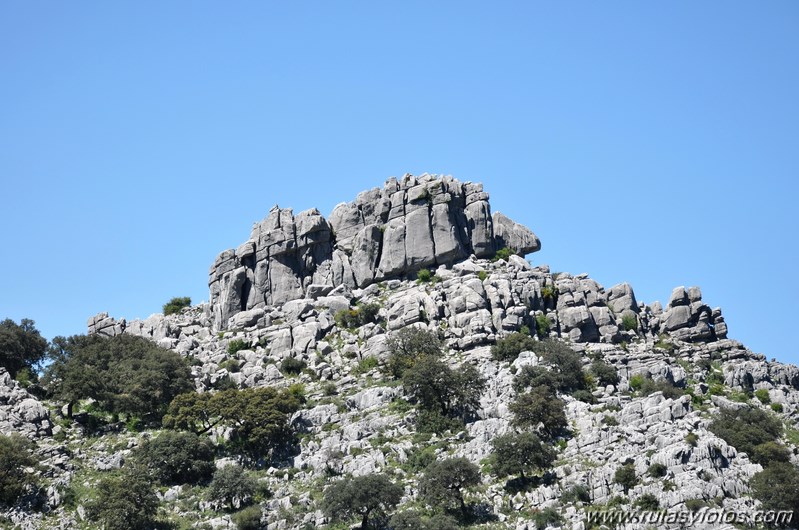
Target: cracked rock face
(409,224)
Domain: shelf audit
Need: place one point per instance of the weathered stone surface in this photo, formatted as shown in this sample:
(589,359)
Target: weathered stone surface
(409,224)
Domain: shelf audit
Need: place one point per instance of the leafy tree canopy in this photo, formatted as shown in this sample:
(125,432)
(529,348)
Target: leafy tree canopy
(176,305)
(540,409)
(520,453)
(21,346)
(410,344)
(746,429)
(125,500)
(443,483)
(177,457)
(16,456)
(369,497)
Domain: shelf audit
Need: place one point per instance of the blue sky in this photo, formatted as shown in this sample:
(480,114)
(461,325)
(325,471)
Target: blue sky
(654,143)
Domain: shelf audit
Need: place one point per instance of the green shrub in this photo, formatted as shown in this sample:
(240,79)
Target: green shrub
(21,346)
(433,421)
(413,520)
(482,275)
(636,382)
(541,326)
(509,348)
(249,518)
(762,396)
(646,386)
(231,365)
(358,316)
(125,500)
(503,253)
(236,345)
(546,517)
(577,493)
(410,344)
(231,488)
(770,452)
(539,409)
(444,482)
(566,364)
(647,502)
(657,470)
(176,305)
(610,420)
(605,373)
(777,407)
(777,487)
(746,428)
(292,366)
(366,497)
(625,477)
(365,365)
(520,454)
(694,505)
(16,456)
(629,322)
(424,275)
(176,457)
(691,439)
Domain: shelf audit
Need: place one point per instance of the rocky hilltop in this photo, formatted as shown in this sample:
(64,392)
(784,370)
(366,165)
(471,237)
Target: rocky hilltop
(313,305)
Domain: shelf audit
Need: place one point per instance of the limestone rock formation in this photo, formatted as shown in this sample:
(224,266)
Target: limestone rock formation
(409,224)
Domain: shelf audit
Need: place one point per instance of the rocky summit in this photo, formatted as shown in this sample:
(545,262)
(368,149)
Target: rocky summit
(416,350)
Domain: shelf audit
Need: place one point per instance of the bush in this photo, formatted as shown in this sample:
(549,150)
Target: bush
(438,388)
(21,346)
(520,454)
(777,407)
(231,488)
(412,520)
(746,428)
(646,386)
(577,493)
(546,517)
(629,322)
(410,344)
(762,396)
(605,373)
(539,409)
(503,253)
(625,477)
(125,500)
(657,470)
(533,377)
(770,452)
(367,497)
(176,305)
(508,348)
(16,456)
(124,374)
(691,439)
(432,421)
(424,275)
(777,487)
(235,346)
(366,365)
(647,502)
(443,483)
(357,317)
(541,326)
(249,518)
(177,458)
(292,366)
(566,364)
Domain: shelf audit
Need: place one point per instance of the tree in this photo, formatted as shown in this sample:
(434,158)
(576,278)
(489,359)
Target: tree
(509,348)
(408,345)
(625,477)
(125,500)
(777,487)
(605,373)
(177,457)
(520,453)
(539,409)
(443,483)
(368,496)
(566,364)
(439,389)
(16,456)
(257,417)
(746,428)
(232,488)
(21,346)
(176,305)
(532,377)
(124,374)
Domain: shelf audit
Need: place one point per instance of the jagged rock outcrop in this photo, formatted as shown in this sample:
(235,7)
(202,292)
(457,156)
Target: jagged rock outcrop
(21,412)
(409,224)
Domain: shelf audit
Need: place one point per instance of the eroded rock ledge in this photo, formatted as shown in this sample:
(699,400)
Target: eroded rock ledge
(409,224)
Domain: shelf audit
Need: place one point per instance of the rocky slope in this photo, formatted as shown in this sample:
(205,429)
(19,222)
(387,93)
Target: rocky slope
(280,292)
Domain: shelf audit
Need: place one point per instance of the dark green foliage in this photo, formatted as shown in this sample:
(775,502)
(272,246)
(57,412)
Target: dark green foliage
(508,348)
(368,497)
(432,421)
(503,253)
(125,500)
(410,344)
(746,428)
(520,454)
(769,452)
(16,456)
(577,493)
(541,326)
(694,505)
(292,366)
(177,458)
(565,363)
(657,470)
(236,345)
(605,373)
(629,322)
(176,305)
(357,317)
(232,488)
(546,517)
(533,377)
(124,374)
(438,388)
(249,518)
(625,476)
(539,409)
(443,483)
(647,502)
(424,275)
(413,520)
(647,386)
(257,417)
(777,487)
(21,346)
(763,396)
(691,439)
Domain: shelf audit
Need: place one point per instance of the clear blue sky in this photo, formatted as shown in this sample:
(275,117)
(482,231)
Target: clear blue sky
(655,143)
